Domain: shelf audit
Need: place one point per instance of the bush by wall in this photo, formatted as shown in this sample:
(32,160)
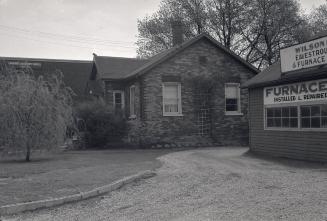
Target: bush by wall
(103,126)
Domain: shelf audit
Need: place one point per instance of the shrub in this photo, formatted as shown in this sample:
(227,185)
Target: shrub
(34,112)
(103,126)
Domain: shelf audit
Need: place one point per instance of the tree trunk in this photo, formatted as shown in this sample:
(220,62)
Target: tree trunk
(28,153)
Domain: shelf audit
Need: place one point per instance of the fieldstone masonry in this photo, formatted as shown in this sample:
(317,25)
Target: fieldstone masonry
(203,60)
(164,131)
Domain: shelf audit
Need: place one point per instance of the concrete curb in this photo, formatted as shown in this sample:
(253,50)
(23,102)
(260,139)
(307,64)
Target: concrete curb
(22,207)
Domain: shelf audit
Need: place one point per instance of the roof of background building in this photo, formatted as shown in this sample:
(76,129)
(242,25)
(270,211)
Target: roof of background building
(76,73)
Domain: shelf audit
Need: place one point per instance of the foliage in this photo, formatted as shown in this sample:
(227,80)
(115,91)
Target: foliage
(255,30)
(155,30)
(103,126)
(34,112)
(318,19)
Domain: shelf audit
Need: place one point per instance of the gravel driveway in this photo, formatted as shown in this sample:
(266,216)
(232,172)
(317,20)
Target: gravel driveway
(210,184)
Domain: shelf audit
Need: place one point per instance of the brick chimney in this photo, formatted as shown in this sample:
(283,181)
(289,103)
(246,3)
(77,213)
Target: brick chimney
(177,31)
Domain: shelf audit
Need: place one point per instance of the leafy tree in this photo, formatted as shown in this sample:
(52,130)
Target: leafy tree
(253,29)
(34,111)
(318,19)
(155,34)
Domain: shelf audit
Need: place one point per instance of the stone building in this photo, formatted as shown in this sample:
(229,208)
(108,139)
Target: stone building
(187,95)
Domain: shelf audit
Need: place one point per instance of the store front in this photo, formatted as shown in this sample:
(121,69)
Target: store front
(288,104)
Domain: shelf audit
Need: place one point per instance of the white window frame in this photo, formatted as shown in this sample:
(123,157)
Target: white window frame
(239,109)
(122,97)
(298,105)
(132,116)
(179,88)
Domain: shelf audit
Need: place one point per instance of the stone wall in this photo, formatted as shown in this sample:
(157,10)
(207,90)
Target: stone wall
(201,59)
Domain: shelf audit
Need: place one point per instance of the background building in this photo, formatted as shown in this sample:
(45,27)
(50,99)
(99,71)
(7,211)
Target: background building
(288,104)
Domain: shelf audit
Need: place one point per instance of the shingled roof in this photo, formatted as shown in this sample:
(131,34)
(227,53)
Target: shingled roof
(273,75)
(116,67)
(76,72)
(126,68)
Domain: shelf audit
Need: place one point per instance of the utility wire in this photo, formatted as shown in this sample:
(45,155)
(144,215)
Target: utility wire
(58,43)
(71,38)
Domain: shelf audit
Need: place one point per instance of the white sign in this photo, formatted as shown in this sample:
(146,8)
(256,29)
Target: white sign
(297,92)
(309,54)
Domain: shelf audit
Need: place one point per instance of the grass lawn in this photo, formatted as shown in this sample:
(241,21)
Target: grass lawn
(70,173)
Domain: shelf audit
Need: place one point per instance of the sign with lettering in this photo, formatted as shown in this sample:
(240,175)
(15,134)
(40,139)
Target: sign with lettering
(297,92)
(309,54)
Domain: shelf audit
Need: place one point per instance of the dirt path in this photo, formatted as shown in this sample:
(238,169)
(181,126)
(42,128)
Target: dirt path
(211,184)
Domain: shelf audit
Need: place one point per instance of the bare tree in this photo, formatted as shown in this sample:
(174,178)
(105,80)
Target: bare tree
(34,112)
(273,24)
(227,19)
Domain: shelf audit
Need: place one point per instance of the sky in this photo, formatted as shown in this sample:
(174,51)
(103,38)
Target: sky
(74,29)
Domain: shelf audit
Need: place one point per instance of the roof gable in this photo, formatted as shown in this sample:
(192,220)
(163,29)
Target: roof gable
(116,68)
(165,55)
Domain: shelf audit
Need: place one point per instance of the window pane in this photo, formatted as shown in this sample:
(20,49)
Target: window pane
(285,112)
(293,122)
(324,122)
(305,111)
(171,108)
(231,101)
(231,107)
(132,101)
(305,122)
(270,112)
(293,111)
(171,98)
(277,122)
(270,122)
(315,122)
(231,91)
(171,91)
(118,98)
(277,112)
(315,111)
(324,110)
(285,122)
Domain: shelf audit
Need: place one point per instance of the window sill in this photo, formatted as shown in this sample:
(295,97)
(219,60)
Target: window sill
(173,115)
(132,117)
(233,114)
(296,129)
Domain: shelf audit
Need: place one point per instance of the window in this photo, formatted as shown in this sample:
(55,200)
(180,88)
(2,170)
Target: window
(172,104)
(282,117)
(314,116)
(298,117)
(232,98)
(132,102)
(118,100)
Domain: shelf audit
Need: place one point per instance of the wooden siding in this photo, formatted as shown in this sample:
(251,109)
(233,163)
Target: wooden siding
(304,145)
